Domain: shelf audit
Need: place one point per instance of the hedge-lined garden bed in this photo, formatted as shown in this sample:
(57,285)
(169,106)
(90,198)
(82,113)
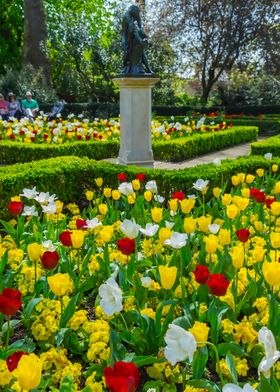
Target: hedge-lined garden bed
(69,177)
(271,145)
(174,150)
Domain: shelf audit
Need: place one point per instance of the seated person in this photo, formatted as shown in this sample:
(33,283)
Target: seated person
(3,108)
(14,107)
(30,106)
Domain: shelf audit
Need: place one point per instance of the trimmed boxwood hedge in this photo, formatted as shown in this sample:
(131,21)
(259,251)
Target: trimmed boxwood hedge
(69,177)
(269,145)
(175,150)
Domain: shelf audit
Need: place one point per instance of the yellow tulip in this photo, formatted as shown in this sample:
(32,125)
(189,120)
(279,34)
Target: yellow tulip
(34,251)
(107,192)
(167,276)
(224,237)
(156,214)
(275,208)
(211,243)
(131,198)
(203,223)
(275,240)
(189,225)
(226,199)
(99,181)
(235,180)
(60,284)
(116,194)
(148,195)
(260,172)
(245,192)
(237,256)
(173,204)
(241,177)
(187,205)
(274,168)
(103,209)
(136,184)
(106,233)
(77,238)
(200,332)
(164,234)
(271,272)
(89,195)
(29,372)
(250,178)
(258,253)
(216,192)
(232,211)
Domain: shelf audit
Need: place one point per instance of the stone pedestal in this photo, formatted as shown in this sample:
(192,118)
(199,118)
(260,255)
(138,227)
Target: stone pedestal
(136,117)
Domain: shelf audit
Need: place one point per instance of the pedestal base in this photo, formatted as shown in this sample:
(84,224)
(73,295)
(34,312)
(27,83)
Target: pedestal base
(136,117)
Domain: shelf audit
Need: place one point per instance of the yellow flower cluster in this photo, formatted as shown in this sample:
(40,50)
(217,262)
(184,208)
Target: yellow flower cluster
(59,366)
(165,371)
(99,349)
(47,321)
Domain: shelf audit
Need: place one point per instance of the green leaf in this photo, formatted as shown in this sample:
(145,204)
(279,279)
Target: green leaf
(69,310)
(234,348)
(231,365)
(59,337)
(265,386)
(30,307)
(199,362)
(146,361)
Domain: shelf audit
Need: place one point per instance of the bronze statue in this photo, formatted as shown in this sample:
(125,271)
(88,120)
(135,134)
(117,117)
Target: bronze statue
(134,42)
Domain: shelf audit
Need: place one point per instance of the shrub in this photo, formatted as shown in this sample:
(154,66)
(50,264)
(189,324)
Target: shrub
(175,151)
(269,145)
(69,177)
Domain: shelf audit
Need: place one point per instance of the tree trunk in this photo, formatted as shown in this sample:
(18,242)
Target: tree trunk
(35,36)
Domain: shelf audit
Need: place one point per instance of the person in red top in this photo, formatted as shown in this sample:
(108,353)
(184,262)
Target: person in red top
(3,108)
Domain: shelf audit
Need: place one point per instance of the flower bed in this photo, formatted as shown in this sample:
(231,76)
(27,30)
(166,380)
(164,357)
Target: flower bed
(131,290)
(175,150)
(269,145)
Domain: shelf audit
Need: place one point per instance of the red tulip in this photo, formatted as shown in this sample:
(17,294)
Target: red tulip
(81,224)
(50,259)
(218,284)
(13,360)
(268,202)
(126,245)
(65,238)
(243,235)
(201,274)
(15,207)
(178,195)
(141,177)
(258,195)
(10,301)
(123,377)
(122,177)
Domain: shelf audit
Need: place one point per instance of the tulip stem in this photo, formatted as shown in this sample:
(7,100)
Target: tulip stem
(61,310)
(35,276)
(214,348)
(8,334)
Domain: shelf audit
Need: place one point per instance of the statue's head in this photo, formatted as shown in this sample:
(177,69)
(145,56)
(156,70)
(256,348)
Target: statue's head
(134,11)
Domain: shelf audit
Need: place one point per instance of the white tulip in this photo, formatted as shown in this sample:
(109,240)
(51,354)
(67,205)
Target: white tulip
(146,281)
(214,228)
(151,186)
(130,228)
(93,223)
(159,199)
(268,156)
(236,388)
(181,344)
(177,240)
(126,188)
(169,224)
(29,193)
(150,230)
(48,245)
(111,297)
(200,185)
(29,211)
(50,208)
(266,338)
